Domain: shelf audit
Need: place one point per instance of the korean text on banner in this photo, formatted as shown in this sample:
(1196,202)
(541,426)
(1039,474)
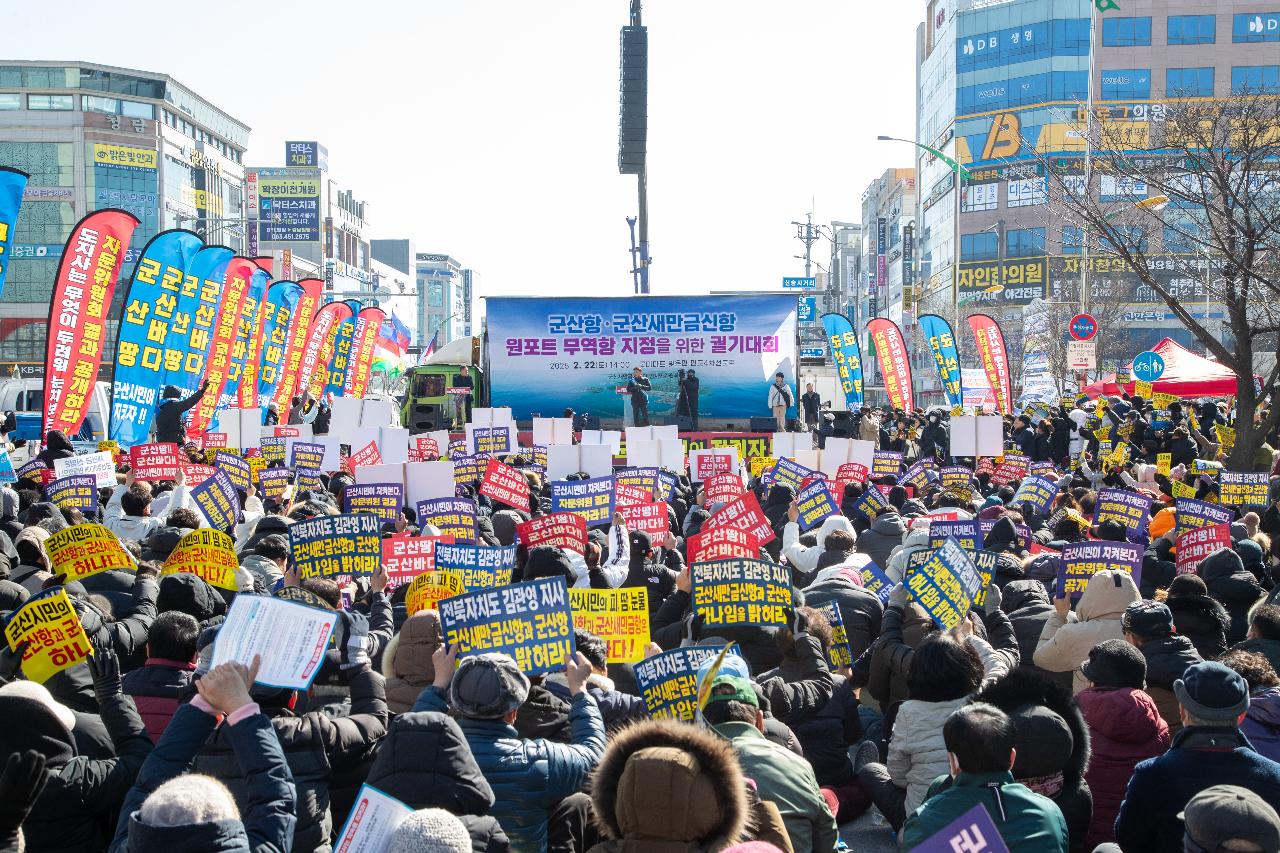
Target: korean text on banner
(530,621)
(236,467)
(78,492)
(209,555)
(744,514)
(428,589)
(618,616)
(332,545)
(722,543)
(290,638)
(454,517)
(722,488)
(100,465)
(368,322)
(967,533)
(1244,488)
(847,355)
(1191,514)
(886,463)
(384,501)
(51,628)
(1037,491)
(282,299)
(591,499)
(1196,544)
(241,377)
(557,530)
(406,557)
(372,822)
(1082,560)
(816,504)
(741,592)
(877,582)
(895,367)
(141,355)
(13,183)
(296,341)
(479,566)
(217,367)
(946,585)
(995,359)
(942,344)
(871,504)
(154,461)
(217,501)
(506,485)
(78,312)
(668,682)
(651,518)
(194,316)
(85,549)
(973,830)
(1128,508)
(838,653)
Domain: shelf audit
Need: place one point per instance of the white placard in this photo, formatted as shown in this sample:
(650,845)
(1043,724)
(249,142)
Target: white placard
(566,459)
(344,415)
(100,464)
(291,638)
(789,443)
(549,431)
(242,426)
(1082,355)
(610,438)
(384,473)
(393,444)
(839,451)
(981,435)
(493,417)
(373,820)
(695,457)
(332,451)
(424,481)
(670,432)
(656,454)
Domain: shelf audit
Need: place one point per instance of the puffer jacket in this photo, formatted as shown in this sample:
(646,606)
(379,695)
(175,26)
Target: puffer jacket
(529,777)
(126,635)
(901,631)
(860,610)
(915,539)
(669,788)
(425,762)
(157,690)
(827,735)
(1125,727)
(1167,658)
(775,507)
(1026,603)
(884,535)
(801,685)
(406,663)
(917,754)
(1262,722)
(1201,620)
(1065,644)
(315,746)
(804,561)
(1232,585)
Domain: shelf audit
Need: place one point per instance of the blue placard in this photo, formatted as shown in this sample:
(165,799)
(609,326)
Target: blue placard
(491,440)
(13,183)
(309,479)
(454,517)
(216,499)
(1023,539)
(968,533)
(871,504)
(946,585)
(1147,366)
(592,499)
(876,581)
(307,455)
(668,682)
(384,501)
(788,472)
(79,491)
(480,566)
(7,474)
(839,654)
(273,481)
(1038,491)
(1192,514)
(330,545)
(741,591)
(799,283)
(1080,561)
(973,830)
(816,504)
(235,467)
(531,621)
(1129,508)
(1243,488)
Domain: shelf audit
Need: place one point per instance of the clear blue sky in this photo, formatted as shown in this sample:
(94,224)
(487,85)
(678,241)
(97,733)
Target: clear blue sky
(488,128)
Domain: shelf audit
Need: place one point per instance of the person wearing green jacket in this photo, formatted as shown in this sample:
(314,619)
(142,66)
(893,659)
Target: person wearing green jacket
(780,776)
(979,739)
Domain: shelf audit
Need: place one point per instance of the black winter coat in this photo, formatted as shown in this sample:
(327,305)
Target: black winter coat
(860,610)
(169,416)
(801,685)
(1026,603)
(827,735)
(1203,621)
(1234,587)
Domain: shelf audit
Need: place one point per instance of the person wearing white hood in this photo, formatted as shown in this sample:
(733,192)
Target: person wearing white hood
(1079,417)
(804,561)
(916,539)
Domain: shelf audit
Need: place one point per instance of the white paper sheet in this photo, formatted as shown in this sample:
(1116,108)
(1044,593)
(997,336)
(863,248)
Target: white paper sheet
(291,638)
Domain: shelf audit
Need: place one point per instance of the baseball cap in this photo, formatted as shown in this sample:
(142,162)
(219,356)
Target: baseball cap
(1212,691)
(1224,813)
(740,689)
(1148,619)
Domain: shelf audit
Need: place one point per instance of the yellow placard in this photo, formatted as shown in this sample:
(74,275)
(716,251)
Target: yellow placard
(209,555)
(620,617)
(257,465)
(86,549)
(760,464)
(428,589)
(110,444)
(1142,389)
(1164,462)
(124,155)
(1162,400)
(51,627)
(1179,489)
(1226,436)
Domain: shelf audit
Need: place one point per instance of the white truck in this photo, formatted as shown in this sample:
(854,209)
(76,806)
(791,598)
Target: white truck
(25,398)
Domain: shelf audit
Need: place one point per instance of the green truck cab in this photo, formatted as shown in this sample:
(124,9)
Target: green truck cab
(429,406)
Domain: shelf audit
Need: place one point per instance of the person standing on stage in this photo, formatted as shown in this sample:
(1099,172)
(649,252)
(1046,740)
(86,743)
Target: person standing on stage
(780,399)
(639,388)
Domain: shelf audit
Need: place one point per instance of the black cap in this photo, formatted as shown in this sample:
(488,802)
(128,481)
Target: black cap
(1148,619)
(640,541)
(1115,663)
(1212,691)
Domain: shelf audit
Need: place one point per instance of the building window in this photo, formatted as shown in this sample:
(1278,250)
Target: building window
(1070,36)
(94,104)
(1255,80)
(1256,27)
(983,246)
(1126,32)
(1028,191)
(1180,239)
(980,197)
(1121,188)
(1069,85)
(50,102)
(1132,237)
(1188,82)
(1024,242)
(9,101)
(136,109)
(1126,84)
(435,295)
(1072,239)
(1193,29)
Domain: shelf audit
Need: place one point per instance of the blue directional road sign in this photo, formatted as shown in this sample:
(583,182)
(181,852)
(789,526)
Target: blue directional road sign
(1148,366)
(800,283)
(807,309)
(813,352)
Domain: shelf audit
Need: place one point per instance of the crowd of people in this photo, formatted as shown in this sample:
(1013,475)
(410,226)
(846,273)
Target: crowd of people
(1144,716)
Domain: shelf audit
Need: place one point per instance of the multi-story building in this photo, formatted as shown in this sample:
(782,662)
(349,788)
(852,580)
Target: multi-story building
(94,136)
(446,308)
(1004,87)
(887,283)
(308,224)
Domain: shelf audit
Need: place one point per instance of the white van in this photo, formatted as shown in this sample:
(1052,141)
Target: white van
(25,398)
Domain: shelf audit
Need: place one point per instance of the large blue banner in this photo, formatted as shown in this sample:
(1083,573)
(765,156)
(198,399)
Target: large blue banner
(13,183)
(193,318)
(281,299)
(150,309)
(549,353)
(942,343)
(847,355)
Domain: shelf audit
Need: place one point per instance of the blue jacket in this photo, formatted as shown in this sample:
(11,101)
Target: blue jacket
(1160,788)
(529,777)
(266,824)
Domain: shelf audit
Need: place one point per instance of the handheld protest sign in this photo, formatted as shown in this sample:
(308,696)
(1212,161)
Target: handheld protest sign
(505,485)
(274,482)
(1127,508)
(722,488)
(650,517)
(307,454)
(480,567)
(885,463)
(871,504)
(237,468)
(722,543)
(529,621)
(330,545)
(815,504)
(102,465)
(1080,561)
(209,555)
(668,681)
(217,500)
(1192,514)
(154,461)
(1196,544)
(558,530)
(493,440)
(620,617)
(76,492)
(384,501)
(51,628)
(1038,491)
(745,514)
(85,549)
(290,638)
(966,532)
(406,557)
(875,581)
(974,830)
(624,495)
(372,822)
(1244,488)
(195,473)
(591,500)
(789,472)
(852,472)
(454,517)
(741,592)
(945,585)
(428,589)
(367,455)
(839,653)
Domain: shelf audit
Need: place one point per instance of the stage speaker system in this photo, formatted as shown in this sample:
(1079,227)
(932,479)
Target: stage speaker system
(429,417)
(633,100)
(765,424)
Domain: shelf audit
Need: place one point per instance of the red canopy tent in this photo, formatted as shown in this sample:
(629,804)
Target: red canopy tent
(1185,375)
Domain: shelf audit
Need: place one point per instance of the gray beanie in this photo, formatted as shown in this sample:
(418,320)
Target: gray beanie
(430,831)
(488,686)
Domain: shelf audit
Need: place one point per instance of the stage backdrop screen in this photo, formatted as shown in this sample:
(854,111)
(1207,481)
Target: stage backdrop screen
(546,354)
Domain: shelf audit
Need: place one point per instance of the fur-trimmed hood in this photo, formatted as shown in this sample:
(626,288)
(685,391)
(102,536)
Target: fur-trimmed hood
(1021,688)
(705,804)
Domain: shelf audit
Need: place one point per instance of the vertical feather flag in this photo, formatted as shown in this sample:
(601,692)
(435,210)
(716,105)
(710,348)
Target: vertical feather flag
(847,355)
(891,353)
(995,359)
(282,298)
(299,326)
(217,367)
(366,337)
(942,343)
(13,183)
(323,328)
(193,318)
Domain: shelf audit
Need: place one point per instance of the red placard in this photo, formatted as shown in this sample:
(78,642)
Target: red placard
(195,474)
(650,517)
(285,431)
(624,495)
(213,441)
(853,472)
(367,455)
(1196,544)
(744,514)
(722,488)
(710,464)
(884,490)
(154,461)
(559,530)
(505,484)
(424,449)
(299,324)
(722,543)
(406,557)
(944,515)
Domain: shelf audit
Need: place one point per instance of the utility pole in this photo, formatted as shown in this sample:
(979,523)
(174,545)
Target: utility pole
(807,234)
(633,136)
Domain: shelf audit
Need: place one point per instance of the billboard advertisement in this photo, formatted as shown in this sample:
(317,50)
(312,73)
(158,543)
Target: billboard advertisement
(288,205)
(549,354)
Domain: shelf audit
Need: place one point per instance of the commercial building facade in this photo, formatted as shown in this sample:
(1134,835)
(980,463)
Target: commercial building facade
(446,303)
(887,286)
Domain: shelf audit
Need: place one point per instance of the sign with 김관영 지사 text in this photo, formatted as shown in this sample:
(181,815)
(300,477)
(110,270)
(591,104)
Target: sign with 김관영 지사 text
(479,566)
(741,592)
(529,621)
(331,545)
(1243,488)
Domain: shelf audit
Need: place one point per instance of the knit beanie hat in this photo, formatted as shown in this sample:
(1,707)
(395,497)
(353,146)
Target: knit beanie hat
(31,724)
(40,693)
(430,831)
(1116,663)
(488,686)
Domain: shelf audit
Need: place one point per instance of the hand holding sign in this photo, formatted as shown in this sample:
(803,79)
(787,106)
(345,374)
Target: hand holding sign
(226,686)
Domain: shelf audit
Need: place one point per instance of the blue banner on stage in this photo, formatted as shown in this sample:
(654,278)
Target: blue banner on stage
(142,354)
(942,344)
(847,355)
(591,499)
(531,621)
(479,566)
(330,545)
(191,331)
(13,183)
(282,298)
(216,499)
(454,517)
